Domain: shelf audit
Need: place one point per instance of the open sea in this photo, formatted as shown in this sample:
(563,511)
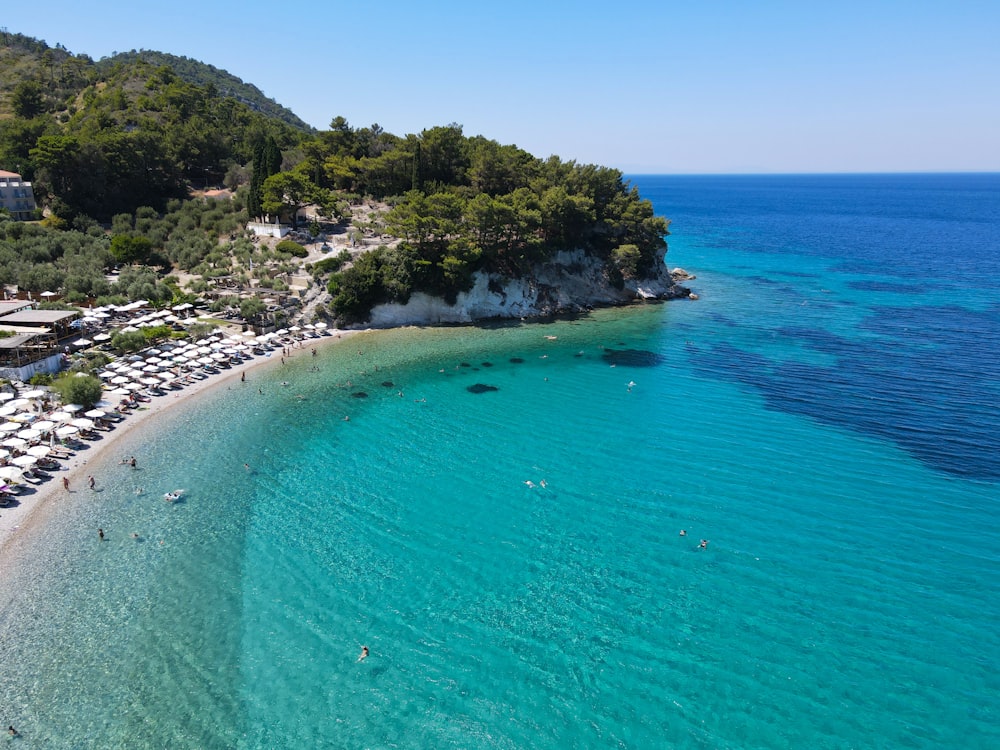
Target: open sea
(826,416)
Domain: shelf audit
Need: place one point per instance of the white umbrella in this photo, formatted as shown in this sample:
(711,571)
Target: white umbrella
(10,473)
(106,374)
(39,451)
(33,394)
(60,416)
(24,461)
(66,431)
(7,410)
(30,434)
(72,408)
(43,425)
(149,381)
(19,402)
(83,424)
(93,414)
(14,442)
(82,342)
(10,427)
(119,392)
(119,380)
(22,416)
(102,337)
(6,396)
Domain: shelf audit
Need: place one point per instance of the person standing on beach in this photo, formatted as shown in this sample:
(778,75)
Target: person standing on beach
(100,534)
(66,484)
(91,482)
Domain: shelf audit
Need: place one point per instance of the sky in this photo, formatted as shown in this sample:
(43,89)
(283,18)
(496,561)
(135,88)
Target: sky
(693,87)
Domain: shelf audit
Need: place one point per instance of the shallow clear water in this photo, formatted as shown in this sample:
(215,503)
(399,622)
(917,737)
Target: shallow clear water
(828,424)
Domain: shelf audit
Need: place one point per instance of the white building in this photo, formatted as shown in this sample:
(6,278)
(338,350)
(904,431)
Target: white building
(17,196)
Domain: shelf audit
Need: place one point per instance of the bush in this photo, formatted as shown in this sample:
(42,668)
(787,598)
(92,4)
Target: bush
(128,341)
(78,389)
(289,247)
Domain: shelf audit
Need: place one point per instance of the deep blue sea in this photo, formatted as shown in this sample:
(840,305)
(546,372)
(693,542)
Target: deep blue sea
(826,416)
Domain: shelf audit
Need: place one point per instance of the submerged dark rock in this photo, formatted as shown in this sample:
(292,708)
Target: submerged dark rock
(359,394)
(481,388)
(517,360)
(632,357)
(486,364)
(388,383)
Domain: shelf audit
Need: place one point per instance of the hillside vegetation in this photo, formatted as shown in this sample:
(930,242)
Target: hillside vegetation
(120,144)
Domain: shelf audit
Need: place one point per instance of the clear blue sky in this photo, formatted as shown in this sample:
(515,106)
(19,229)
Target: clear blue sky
(673,87)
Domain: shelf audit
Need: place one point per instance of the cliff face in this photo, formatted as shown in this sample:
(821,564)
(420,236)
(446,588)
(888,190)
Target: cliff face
(569,282)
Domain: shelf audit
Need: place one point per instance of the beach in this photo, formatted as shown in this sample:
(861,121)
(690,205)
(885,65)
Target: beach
(35,509)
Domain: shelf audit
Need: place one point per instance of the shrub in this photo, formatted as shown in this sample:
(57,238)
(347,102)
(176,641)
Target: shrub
(78,389)
(289,247)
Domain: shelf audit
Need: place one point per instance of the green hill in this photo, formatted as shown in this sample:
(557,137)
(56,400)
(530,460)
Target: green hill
(205,75)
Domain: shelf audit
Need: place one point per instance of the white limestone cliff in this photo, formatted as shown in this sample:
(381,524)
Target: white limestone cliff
(570,281)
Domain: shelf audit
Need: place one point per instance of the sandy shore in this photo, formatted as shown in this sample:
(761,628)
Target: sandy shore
(35,508)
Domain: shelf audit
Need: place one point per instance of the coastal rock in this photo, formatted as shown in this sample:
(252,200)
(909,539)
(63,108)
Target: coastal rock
(570,282)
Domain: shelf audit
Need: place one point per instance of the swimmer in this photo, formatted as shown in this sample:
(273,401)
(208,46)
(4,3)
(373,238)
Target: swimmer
(138,491)
(135,535)
(704,544)
(364,649)
(543,484)
(683,533)
(131,462)
(100,534)
(531,485)
(11,731)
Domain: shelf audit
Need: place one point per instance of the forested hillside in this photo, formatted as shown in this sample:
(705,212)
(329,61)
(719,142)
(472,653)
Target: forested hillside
(105,138)
(123,142)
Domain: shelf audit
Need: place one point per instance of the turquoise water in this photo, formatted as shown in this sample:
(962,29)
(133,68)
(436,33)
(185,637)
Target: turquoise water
(848,595)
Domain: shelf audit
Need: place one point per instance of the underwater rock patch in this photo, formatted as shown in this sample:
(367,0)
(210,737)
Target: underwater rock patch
(481,388)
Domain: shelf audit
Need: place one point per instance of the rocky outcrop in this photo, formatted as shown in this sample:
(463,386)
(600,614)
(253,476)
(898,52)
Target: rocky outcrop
(569,282)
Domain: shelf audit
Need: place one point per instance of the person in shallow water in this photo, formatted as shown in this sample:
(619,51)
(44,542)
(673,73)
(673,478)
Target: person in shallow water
(364,653)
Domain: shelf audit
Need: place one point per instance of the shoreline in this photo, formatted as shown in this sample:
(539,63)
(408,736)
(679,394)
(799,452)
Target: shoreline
(33,510)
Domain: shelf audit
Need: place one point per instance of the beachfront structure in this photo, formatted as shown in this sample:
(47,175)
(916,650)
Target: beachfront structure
(56,322)
(16,196)
(25,354)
